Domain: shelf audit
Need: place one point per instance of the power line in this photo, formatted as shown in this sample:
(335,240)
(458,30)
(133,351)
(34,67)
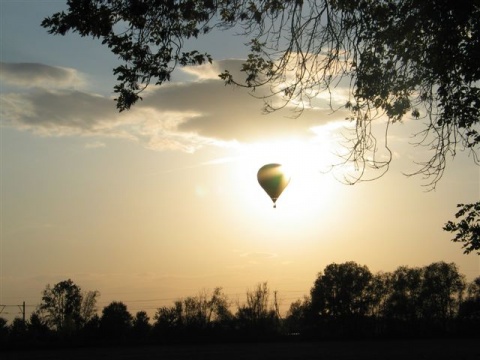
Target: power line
(136,304)
(21,308)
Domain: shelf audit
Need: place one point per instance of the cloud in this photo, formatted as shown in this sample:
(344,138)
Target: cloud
(175,116)
(211,71)
(39,75)
(95,145)
(231,113)
(259,255)
(57,113)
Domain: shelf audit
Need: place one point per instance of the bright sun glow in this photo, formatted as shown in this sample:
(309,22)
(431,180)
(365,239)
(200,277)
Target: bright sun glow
(311,191)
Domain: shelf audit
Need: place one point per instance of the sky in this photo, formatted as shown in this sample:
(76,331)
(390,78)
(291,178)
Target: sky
(162,201)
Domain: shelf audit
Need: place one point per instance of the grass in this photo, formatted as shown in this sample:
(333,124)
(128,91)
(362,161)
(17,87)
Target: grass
(438,349)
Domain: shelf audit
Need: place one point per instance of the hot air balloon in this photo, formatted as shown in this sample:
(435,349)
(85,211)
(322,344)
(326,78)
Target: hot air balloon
(273,180)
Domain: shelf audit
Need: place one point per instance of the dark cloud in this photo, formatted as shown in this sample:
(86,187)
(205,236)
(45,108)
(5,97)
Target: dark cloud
(174,116)
(70,109)
(58,112)
(34,75)
(229,112)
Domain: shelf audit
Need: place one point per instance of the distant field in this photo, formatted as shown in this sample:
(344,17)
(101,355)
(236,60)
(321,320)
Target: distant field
(454,349)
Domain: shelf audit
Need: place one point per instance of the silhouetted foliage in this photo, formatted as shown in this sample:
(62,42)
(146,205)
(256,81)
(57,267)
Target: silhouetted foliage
(398,57)
(60,307)
(442,291)
(468,228)
(404,298)
(66,308)
(3,332)
(38,330)
(341,290)
(340,297)
(116,322)
(258,317)
(141,329)
(18,331)
(90,332)
(168,320)
(469,309)
(296,320)
(88,309)
(346,301)
(194,315)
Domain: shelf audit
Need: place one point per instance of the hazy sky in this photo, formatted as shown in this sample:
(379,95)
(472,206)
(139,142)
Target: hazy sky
(162,201)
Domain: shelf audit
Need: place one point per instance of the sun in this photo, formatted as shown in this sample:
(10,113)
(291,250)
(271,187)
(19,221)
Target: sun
(311,189)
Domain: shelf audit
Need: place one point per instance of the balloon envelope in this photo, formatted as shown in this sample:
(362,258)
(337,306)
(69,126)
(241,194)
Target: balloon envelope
(273,180)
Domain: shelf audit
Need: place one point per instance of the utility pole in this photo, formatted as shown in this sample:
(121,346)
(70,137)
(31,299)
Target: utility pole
(21,307)
(23,311)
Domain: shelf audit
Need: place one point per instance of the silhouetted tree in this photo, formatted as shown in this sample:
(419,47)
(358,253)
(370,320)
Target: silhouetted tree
(258,317)
(424,301)
(116,322)
(218,307)
(88,308)
(468,228)
(399,57)
(340,299)
(169,320)
(61,305)
(342,290)
(346,301)
(377,293)
(442,291)
(65,307)
(473,289)
(38,330)
(469,310)
(194,314)
(3,332)
(297,317)
(91,330)
(404,300)
(17,332)
(141,326)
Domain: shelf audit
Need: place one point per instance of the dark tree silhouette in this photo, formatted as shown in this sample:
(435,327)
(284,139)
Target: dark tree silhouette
(3,332)
(468,228)
(346,301)
(341,300)
(258,317)
(168,320)
(470,307)
(398,57)
(88,309)
(342,290)
(423,301)
(141,328)
(91,330)
(194,314)
(65,307)
(442,291)
(473,289)
(38,330)
(116,322)
(18,331)
(404,299)
(377,293)
(297,317)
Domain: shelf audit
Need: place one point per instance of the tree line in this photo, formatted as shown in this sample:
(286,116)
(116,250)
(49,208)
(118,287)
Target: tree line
(346,301)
